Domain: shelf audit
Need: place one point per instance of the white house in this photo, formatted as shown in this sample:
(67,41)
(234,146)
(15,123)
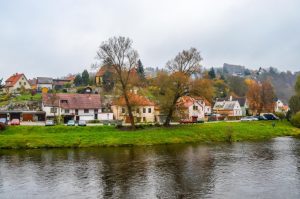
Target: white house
(142,108)
(228,108)
(16,82)
(44,83)
(280,106)
(191,108)
(74,107)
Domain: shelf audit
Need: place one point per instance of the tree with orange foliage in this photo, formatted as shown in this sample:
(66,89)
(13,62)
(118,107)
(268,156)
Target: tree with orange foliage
(253,96)
(203,88)
(260,96)
(176,83)
(267,97)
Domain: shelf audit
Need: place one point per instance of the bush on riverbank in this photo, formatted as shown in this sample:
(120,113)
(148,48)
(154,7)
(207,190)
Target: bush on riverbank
(296,120)
(2,127)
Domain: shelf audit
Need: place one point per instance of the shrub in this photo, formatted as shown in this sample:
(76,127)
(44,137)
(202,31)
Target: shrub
(2,127)
(281,115)
(296,119)
(94,121)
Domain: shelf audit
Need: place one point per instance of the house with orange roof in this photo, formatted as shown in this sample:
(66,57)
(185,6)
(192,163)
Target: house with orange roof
(143,109)
(107,69)
(16,82)
(190,108)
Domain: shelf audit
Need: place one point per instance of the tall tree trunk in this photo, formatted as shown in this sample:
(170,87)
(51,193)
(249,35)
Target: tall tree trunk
(129,111)
(171,110)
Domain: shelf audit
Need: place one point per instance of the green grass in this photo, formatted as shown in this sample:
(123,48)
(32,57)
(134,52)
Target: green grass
(92,136)
(27,97)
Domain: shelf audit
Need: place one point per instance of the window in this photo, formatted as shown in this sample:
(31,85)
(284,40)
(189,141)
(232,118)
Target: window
(20,83)
(24,83)
(149,110)
(53,110)
(137,110)
(123,110)
(67,111)
(195,108)
(96,111)
(64,101)
(86,110)
(144,110)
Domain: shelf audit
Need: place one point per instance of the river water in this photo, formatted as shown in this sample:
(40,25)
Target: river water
(242,170)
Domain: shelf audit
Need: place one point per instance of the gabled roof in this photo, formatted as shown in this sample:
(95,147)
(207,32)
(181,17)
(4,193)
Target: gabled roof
(225,105)
(241,100)
(72,101)
(44,80)
(135,100)
(187,101)
(12,80)
(103,69)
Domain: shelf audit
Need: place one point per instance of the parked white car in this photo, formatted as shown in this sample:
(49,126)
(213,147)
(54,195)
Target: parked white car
(249,118)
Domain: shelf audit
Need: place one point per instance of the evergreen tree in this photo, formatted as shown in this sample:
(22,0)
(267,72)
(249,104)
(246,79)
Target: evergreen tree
(1,83)
(78,80)
(85,78)
(107,81)
(211,73)
(297,85)
(140,70)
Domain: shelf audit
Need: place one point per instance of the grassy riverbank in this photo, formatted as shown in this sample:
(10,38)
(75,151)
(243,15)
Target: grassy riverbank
(63,136)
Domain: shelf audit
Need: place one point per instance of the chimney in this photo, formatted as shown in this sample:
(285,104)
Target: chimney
(230,98)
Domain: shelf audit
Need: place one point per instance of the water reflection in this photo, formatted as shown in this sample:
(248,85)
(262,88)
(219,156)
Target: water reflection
(247,170)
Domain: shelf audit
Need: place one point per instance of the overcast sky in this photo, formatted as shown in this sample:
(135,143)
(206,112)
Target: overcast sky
(57,37)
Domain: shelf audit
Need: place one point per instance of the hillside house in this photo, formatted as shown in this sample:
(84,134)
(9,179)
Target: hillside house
(16,82)
(143,109)
(44,84)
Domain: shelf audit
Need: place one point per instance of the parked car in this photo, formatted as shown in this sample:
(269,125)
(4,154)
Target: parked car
(49,123)
(4,121)
(270,116)
(71,123)
(216,117)
(261,117)
(249,118)
(15,122)
(82,123)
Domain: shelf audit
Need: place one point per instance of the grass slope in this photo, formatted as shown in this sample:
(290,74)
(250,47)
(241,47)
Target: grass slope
(63,136)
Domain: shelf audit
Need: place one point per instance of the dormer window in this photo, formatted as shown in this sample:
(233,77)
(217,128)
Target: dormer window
(64,101)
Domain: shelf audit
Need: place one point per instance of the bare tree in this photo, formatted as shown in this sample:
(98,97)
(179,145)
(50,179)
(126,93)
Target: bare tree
(119,53)
(182,67)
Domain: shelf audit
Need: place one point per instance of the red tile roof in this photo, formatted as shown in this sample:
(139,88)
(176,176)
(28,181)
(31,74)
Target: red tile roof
(187,101)
(72,101)
(12,80)
(134,99)
(103,69)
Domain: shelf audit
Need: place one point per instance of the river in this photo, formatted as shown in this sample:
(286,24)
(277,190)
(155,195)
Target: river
(268,169)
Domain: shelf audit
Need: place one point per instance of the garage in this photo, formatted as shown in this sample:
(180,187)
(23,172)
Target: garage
(27,117)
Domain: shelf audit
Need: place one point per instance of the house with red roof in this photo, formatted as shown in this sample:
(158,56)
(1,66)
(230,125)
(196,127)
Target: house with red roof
(190,108)
(143,108)
(74,107)
(110,70)
(16,82)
